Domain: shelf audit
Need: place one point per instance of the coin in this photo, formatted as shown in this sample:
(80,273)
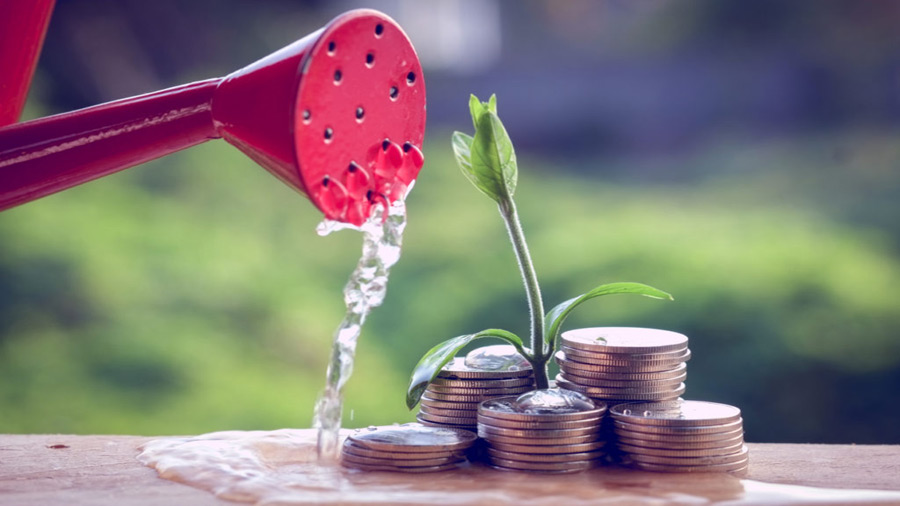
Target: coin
(362,451)
(680,452)
(462,426)
(466,399)
(605,383)
(548,449)
(735,468)
(655,393)
(545,457)
(457,420)
(677,371)
(721,459)
(434,403)
(677,413)
(412,438)
(624,367)
(483,383)
(624,340)
(624,359)
(600,390)
(679,431)
(486,431)
(457,369)
(685,442)
(506,408)
(454,413)
(370,461)
(542,441)
(539,424)
(396,469)
(573,466)
(443,389)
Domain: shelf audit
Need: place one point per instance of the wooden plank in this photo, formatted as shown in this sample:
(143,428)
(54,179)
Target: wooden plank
(102,470)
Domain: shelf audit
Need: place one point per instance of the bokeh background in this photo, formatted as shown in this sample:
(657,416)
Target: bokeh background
(741,155)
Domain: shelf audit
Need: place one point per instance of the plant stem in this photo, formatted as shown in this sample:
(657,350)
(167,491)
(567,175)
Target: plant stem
(535,303)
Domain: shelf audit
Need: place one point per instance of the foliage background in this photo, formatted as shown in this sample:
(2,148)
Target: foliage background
(740,155)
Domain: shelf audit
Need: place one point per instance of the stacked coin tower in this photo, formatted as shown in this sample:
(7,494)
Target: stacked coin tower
(681,436)
(619,364)
(452,399)
(554,431)
(409,448)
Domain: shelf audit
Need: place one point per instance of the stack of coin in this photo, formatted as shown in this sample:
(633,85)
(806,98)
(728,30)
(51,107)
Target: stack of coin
(409,448)
(554,431)
(452,399)
(620,364)
(681,436)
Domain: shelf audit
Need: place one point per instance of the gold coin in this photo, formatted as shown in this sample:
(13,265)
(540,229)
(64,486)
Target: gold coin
(567,364)
(619,393)
(547,449)
(630,340)
(362,451)
(461,426)
(545,457)
(396,469)
(458,413)
(456,418)
(735,468)
(466,399)
(538,424)
(369,461)
(487,383)
(605,383)
(725,428)
(491,392)
(680,442)
(711,460)
(487,431)
(457,369)
(680,452)
(677,413)
(624,359)
(435,403)
(412,437)
(624,376)
(542,441)
(506,408)
(572,466)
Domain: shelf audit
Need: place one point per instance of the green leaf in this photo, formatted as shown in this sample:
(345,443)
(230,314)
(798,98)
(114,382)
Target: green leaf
(462,149)
(557,315)
(477,107)
(427,369)
(493,159)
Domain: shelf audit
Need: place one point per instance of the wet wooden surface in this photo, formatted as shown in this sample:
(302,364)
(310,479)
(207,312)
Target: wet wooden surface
(102,470)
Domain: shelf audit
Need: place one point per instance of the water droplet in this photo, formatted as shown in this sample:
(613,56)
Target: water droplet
(372,427)
(626,411)
(500,357)
(553,400)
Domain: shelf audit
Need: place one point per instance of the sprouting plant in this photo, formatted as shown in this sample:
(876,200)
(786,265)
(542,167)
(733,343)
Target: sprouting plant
(488,161)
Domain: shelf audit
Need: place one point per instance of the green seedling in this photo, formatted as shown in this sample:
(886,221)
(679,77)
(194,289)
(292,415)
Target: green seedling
(488,161)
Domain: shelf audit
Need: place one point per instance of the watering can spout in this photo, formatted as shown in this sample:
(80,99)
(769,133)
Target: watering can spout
(338,115)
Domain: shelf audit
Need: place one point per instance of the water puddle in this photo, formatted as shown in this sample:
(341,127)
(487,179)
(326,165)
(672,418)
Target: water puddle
(282,467)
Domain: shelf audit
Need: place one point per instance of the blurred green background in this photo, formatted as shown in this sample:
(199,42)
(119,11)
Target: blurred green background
(740,155)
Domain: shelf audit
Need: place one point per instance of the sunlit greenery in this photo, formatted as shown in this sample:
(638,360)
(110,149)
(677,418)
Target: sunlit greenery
(192,294)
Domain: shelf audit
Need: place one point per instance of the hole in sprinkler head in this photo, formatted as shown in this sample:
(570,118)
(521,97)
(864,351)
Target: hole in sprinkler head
(325,180)
(379,29)
(410,78)
(352,167)
(306,115)
(385,144)
(329,133)
(406,147)
(370,59)
(331,47)
(337,76)
(360,112)
(369,195)
(394,92)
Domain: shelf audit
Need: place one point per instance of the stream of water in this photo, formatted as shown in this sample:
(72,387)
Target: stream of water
(382,241)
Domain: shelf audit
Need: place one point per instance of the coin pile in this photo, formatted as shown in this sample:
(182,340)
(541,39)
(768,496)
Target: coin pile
(681,436)
(553,431)
(452,399)
(409,448)
(617,364)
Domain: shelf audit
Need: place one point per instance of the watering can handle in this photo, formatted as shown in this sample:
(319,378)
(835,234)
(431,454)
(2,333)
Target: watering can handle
(47,155)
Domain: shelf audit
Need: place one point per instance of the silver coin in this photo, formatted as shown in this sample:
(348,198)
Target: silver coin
(624,340)
(547,449)
(506,408)
(677,413)
(680,442)
(370,461)
(732,458)
(680,452)
(605,383)
(542,441)
(396,469)
(484,383)
(545,457)
(457,369)
(435,403)
(487,431)
(539,424)
(690,431)
(489,392)
(362,451)
(573,466)
(595,357)
(676,371)
(597,367)
(411,438)
(735,468)
(618,393)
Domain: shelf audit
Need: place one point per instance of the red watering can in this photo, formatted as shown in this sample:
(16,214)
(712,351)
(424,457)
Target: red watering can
(338,115)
